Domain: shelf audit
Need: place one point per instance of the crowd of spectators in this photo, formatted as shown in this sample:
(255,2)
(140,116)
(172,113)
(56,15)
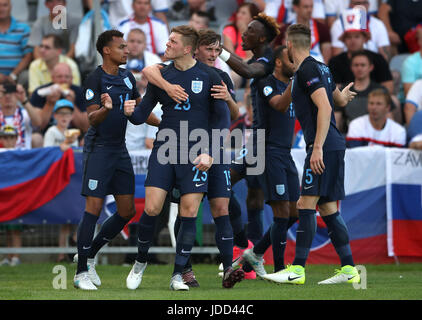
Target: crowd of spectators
(42,66)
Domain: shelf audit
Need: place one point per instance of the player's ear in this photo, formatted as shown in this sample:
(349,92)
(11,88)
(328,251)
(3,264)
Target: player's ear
(106,50)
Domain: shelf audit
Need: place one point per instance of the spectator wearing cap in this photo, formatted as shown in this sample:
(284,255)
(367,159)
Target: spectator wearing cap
(8,137)
(15,53)
(354,36)
(58,134)
(16,110)
(48,25)
(61,87)
(41,69)
(375,128)
(379,41)
(156,31)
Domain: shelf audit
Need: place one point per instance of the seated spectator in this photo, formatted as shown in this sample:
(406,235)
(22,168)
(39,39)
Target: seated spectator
(15,54)
(182,9)
(155,30)
(232,37)
(400,16)
(283,12)
(333,9)
(354,38)
(8,137)
(138,56)
(120,9)
(40,70)
(12,113)
(199,20)
(361,66)
(61,87)
(412,66)
(379,41)
(320,34)
(414,131)
(413,102)
(45,25)
(376,128)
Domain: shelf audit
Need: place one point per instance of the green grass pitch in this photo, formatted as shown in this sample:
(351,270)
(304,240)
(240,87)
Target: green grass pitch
(35,282)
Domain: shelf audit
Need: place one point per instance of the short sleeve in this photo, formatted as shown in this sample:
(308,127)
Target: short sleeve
(36,100)
(407,71)
(310,78)
(92,90)
(414,96)
(267,89)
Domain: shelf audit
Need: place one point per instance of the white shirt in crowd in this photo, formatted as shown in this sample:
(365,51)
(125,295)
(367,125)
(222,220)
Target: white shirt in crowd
(54,137)
(393,134)
(272,7)
(379,35)
(414,96)
(120,9)
(155,30)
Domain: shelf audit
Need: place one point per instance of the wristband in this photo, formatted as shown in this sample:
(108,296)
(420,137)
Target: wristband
(224,55)
(13,76)
(25,102)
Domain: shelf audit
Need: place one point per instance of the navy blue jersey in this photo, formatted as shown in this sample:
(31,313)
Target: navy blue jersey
(267,60)
(279,126)
(121,87)
(197,82)
(215,118)
(311,76)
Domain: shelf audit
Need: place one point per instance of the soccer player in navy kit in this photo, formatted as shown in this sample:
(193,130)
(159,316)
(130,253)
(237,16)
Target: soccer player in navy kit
(107,165)
(257,38)
(280,180)
(191,179)
(219,186)
(314,94)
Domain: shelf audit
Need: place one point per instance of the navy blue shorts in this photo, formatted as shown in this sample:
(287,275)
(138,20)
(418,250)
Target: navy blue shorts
(185,177)
(330,185)
(240,165)
(107,172)
(280,181)
(219,183)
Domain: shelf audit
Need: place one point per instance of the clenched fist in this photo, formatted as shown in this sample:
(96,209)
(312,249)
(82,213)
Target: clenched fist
(129,107)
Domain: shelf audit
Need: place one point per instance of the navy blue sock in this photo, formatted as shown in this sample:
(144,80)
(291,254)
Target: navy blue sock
(110,228)
(224,239)
(235,214)
(255,224)
(264,243)
(184,243)
(85,234)
(278,241)
(146,227)
(339,235)
(188,265)
(304,235)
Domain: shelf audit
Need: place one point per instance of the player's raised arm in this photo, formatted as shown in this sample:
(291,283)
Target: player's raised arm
(281,102)
(174,91)
(138,114)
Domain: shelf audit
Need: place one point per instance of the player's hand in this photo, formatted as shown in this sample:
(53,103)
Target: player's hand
(129,107)
(317,162)
(220,91)
(348,95)
(106,101)
(177,93)
(203,162)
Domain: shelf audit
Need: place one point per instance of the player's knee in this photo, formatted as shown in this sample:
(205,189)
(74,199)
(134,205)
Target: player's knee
(255,199)
(188,210)
(152,209)
(128,214)
(219,209)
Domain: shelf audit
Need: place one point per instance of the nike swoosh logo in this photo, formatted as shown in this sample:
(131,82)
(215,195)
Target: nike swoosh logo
(291,279)
(109,87)
(185,252)
(351,278)
(228,189)
(105,239)
(86,248)
(283,243)
(223,238)
(308,187)
(142,241)
(199,184)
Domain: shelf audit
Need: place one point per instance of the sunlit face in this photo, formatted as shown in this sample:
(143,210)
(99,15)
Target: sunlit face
(354,40)
(117,50)
(47,49)
(62,74)
(377,107)
(243,17)
(175,47)
(141,8)
(252,36)
(304,9)
(63,117)
(208,53)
